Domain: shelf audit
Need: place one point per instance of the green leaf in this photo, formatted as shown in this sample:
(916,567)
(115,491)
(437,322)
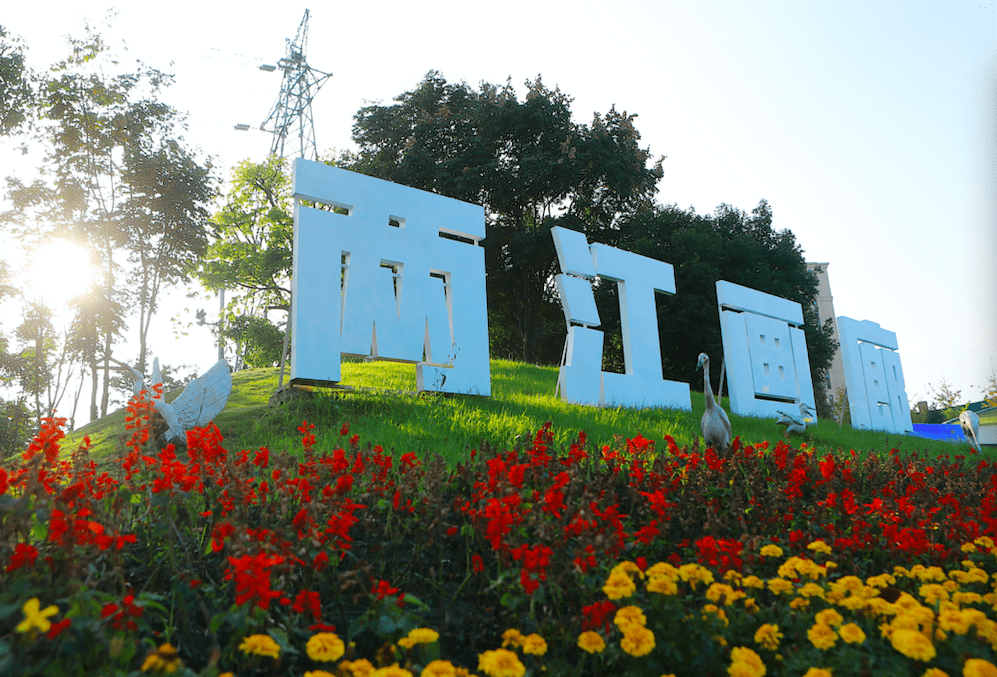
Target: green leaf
(385,626)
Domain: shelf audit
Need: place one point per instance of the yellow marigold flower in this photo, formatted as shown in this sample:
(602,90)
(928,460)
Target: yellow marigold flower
(501,663)
(913,644)
(591,642)
(745,662)
(820,546)
(934,672)
(663,585)
(976,575)
(695,573)
(751,606)
(854,603)
(799,603)
(877,606)
(637,641)
(162,661)
(423,635)
(260,645)
(439,669)
(719,613)
(325,647)
(829,617)
(627,567)
(391,671)
(732,576)
(663,569)
(318,673)
(768,636)
(359,668)
(977,667)
(985,542)
(851,634)
(811,590)
(953,620)
(987,629)
(618,586)
(36,618)
(534,644)
(718,591)
(881,581)
(822,636)
(968,547)
(512,637)
(930,573)
(779,585)
(720,640)
(629,617)
(770,550)
(817,672)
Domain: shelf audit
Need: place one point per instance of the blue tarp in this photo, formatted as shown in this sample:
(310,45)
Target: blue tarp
(939,431)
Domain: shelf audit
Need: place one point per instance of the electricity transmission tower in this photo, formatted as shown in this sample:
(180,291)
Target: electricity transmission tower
(292,113)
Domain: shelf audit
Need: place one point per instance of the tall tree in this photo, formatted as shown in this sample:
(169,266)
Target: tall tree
(250,254)
(16,92)
(118,177)
(530,165)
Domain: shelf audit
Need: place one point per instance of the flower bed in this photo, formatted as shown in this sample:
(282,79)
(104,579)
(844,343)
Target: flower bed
(619,560)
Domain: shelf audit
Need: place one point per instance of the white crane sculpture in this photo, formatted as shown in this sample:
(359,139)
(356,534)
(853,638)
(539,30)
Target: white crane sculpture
(970,424)
(714,424)
(201,400)
(796,423)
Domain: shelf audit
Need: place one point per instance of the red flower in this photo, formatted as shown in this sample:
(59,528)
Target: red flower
(382,589)
(24,554)
(57,628)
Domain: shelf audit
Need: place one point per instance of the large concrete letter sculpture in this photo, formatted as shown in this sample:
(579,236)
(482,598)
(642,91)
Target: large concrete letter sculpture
(581,379)
(874,379)
(765,351)
(388,272)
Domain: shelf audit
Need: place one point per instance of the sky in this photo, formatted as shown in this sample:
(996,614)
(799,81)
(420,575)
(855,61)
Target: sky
(870,128)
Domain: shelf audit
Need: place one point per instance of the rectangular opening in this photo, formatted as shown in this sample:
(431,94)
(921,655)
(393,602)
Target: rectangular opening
(765,365)
(340,208)
(782,371)
(777,346)
(447,235)
(396,222)
(761,338)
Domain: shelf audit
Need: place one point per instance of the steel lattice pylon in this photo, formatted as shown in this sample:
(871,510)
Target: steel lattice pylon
(292,113)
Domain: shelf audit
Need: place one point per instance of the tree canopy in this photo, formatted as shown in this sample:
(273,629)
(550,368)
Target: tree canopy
(530,165)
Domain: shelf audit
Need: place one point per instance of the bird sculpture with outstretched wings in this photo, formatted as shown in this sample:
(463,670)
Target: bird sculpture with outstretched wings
(204,398)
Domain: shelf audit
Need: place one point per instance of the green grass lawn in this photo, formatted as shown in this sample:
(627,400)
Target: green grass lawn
(383,409)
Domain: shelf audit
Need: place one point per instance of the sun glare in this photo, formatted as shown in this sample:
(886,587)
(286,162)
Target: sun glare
(56,272)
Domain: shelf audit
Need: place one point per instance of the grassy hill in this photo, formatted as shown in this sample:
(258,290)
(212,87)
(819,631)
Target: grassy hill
(384,409)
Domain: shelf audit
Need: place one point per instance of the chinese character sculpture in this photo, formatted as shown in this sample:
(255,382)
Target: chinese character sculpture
(581,379)
(874,378)
(765,351)
(387,272)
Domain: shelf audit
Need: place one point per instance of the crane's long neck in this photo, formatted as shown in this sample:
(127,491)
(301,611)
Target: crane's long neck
(707,386)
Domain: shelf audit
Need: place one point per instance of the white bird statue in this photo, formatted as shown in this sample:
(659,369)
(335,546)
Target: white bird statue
(715,424)
(970,423)
(198,404)
(796,423)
